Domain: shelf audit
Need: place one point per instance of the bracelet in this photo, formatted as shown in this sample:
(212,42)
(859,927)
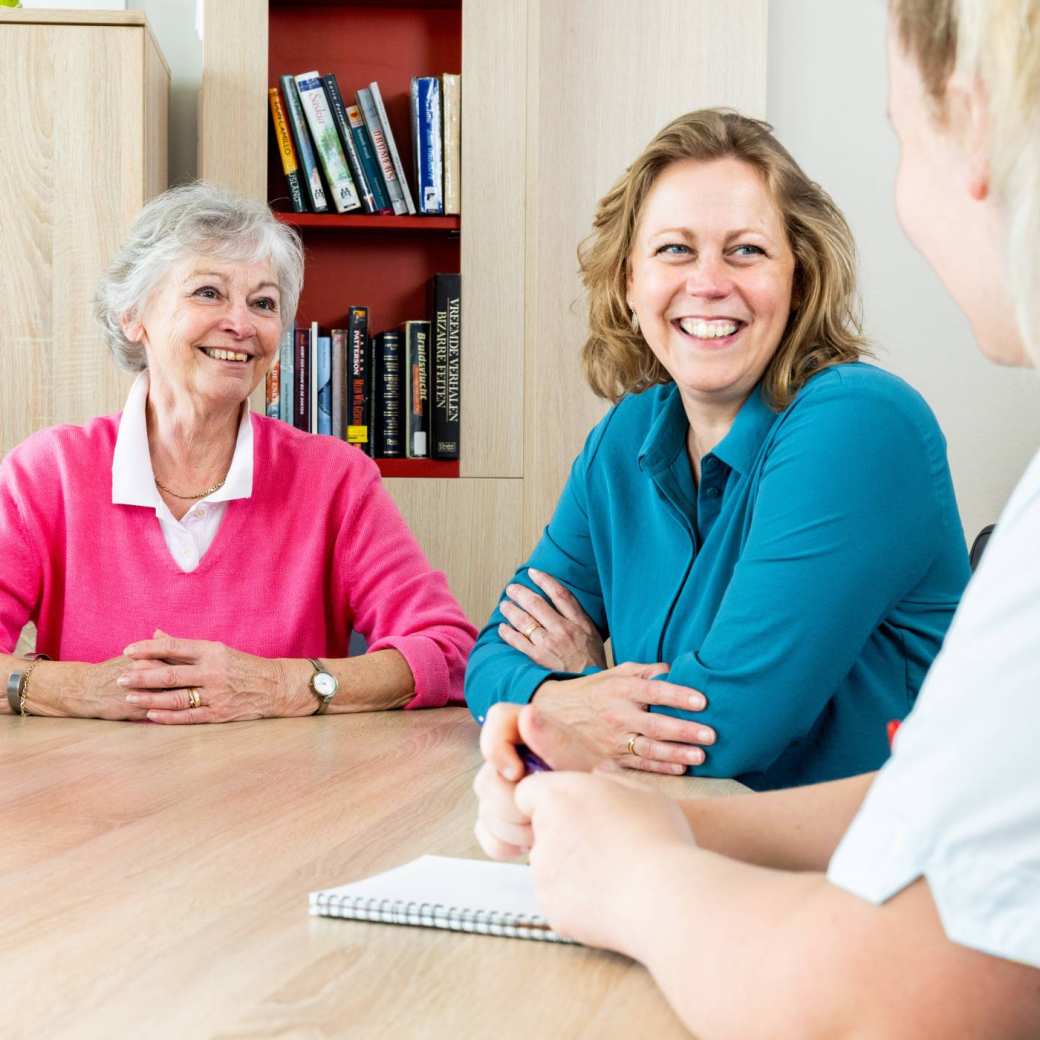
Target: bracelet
(23,690)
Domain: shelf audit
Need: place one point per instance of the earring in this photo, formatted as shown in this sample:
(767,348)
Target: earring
(634,322)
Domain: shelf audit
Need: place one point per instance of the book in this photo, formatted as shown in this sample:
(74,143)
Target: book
(416,335)
(359,392)
(339,383)
(290,166)
(285,366)
(389,418)
(379,146)
(339,117)
(462,895)
(426,143)
(312,376)
(391,144)
(326,141)
(314,189)
(273,390)
(451,108)
(323,367)
(301,380)
(368,159)
(445,364)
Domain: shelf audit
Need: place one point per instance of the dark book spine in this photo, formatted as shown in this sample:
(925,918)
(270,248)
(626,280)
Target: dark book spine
(416,387)
(305,152)
(426,143)
(290,166)
(339,117)
(367,157)
(302,380)
(389,418)
(446,363)
(339,383)
(359,394)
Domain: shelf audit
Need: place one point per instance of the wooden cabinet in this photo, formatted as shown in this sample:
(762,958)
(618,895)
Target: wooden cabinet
(558,96)
(83,146)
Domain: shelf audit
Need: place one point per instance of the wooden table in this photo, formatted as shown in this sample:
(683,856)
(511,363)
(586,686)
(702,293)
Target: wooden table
(153,883)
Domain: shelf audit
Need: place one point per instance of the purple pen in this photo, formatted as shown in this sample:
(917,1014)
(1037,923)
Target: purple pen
(532,763)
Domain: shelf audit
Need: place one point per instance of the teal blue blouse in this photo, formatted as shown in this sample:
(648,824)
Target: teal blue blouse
(804,586)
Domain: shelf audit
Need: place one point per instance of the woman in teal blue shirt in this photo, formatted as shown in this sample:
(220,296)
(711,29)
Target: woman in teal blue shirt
(764,526)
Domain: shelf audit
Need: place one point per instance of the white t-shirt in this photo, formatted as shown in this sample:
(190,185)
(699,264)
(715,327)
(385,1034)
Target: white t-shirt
(133,482)
(959,801)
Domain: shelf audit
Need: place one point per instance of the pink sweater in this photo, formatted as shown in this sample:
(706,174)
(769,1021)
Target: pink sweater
(319,550)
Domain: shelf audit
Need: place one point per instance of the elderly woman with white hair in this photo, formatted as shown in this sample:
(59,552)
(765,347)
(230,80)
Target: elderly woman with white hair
(187,560)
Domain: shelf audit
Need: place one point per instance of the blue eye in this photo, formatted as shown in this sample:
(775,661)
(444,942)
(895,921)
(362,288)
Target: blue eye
(755,250)
(673,249)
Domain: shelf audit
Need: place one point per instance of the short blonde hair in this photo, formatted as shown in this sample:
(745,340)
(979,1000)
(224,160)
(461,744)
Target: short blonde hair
(824,328)
(998,43)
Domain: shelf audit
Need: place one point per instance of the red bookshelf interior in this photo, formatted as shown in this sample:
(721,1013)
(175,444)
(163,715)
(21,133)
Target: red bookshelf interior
(383,263)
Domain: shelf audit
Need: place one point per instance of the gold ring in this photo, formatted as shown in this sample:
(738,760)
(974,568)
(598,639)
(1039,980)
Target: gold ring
(531,631)
(632,745)
(194,700)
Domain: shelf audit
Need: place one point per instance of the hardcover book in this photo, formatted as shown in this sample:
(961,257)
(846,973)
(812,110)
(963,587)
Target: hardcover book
(451,104)
(391,144)
(416,388)
(382,150)
(312,376)
(273,391)
(389,426)
(446,363)
(302,380)
(290,167)
(324,397)
(339,117)
(368,159)
(285,367)
(326,140)
(312,185)
(426,140)
(339,383)
(359,393)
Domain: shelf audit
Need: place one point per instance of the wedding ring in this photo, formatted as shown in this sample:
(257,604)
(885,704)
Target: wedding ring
(531,631)
(632,745)
(194,700)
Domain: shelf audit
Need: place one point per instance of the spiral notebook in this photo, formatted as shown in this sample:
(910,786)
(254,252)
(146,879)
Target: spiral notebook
(462,895)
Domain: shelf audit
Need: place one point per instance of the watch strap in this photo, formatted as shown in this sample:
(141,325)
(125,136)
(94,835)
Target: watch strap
(14,688)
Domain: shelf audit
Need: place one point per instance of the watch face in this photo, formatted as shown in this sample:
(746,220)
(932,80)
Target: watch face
(324,685)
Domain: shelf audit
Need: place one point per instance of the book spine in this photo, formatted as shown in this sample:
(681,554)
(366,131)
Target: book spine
(339,117)
(446,364)
(391,144)
(389,426)
(339,383)
(324,396)
(326,140)
(290,167)
(298,126)
(379,146)
(285,364)
(273,386)
(312,376)
(426,140)
(451,105)
(301,380)
(359,426)
(416,384)
(367,157)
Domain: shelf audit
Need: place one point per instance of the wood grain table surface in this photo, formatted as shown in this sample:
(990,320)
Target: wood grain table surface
(154,881)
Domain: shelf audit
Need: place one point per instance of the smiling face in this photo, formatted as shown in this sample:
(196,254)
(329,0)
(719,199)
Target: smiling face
(710,277)
(210,329)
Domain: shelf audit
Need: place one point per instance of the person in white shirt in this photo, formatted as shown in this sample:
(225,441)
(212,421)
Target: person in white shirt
(904,903)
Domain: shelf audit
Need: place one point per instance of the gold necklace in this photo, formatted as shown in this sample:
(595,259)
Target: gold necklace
(201,494)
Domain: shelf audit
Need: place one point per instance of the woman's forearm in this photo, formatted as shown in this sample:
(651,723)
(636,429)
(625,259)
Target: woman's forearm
(369,682)
(795,829)
(53,685)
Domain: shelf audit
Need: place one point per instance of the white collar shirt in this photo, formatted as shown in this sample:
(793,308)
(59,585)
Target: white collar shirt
(958,803)
(133,482)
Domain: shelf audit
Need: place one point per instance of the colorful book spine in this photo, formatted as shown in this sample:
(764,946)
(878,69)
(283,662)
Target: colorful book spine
(391,144)
(416,388)
(326,140)
(290,167)
(312,376)
(389,426)
(273,390)
(368,159)
(339,383)
(324,398)
(379,146)
(285,366)
(301,380)
(339,117)
(298,127)
(426,141)
(359,391)
(451,105)
(446,363)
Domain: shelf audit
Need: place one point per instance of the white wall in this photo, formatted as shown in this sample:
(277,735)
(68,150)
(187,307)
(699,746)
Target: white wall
(826,99)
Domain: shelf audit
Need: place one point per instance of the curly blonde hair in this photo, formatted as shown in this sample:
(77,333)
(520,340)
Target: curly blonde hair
(824,328)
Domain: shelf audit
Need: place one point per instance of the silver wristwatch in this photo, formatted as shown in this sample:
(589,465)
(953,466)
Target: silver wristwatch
(323,685)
